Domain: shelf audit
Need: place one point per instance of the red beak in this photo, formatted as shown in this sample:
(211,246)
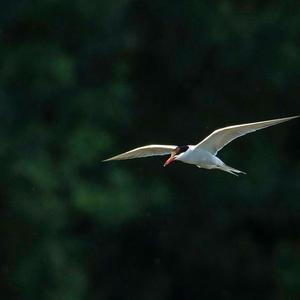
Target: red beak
(169,160)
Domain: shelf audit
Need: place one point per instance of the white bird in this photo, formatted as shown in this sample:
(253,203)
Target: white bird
(203,155)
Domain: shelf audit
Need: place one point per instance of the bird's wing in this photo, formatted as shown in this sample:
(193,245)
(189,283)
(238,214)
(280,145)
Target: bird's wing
(150,150)
(221,137)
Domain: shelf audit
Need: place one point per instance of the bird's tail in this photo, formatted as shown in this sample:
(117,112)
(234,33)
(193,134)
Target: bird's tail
(231,170)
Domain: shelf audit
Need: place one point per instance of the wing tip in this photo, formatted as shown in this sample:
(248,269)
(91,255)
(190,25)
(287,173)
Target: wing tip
(108,159)
(292,117)
(281,120)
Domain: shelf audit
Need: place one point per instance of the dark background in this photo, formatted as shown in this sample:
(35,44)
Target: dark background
(84,80)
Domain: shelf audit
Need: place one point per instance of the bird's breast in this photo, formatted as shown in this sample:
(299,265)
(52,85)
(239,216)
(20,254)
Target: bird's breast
(197,157)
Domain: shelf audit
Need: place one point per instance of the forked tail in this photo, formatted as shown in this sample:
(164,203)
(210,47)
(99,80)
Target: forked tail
(231,170)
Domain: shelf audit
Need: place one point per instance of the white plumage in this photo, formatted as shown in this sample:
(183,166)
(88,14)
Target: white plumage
(203,155)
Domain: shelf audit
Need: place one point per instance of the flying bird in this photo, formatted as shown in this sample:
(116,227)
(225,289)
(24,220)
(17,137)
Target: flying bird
(204,154)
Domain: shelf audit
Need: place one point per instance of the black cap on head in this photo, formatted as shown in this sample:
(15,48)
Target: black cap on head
(181,149)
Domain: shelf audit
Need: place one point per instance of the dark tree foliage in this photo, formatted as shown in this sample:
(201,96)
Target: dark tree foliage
(84,80)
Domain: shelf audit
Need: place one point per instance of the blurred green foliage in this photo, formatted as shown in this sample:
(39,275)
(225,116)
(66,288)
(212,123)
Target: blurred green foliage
(84,80)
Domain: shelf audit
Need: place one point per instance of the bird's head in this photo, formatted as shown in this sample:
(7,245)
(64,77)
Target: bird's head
(175,153)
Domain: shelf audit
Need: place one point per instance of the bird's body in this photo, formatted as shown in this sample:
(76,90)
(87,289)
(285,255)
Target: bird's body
(203,155)
(204,159)
(198,157)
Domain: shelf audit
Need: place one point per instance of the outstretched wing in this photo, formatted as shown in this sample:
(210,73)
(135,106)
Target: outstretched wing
(221,137)
(145,151)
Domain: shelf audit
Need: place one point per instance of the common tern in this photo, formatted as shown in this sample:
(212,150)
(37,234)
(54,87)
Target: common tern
(203,154)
